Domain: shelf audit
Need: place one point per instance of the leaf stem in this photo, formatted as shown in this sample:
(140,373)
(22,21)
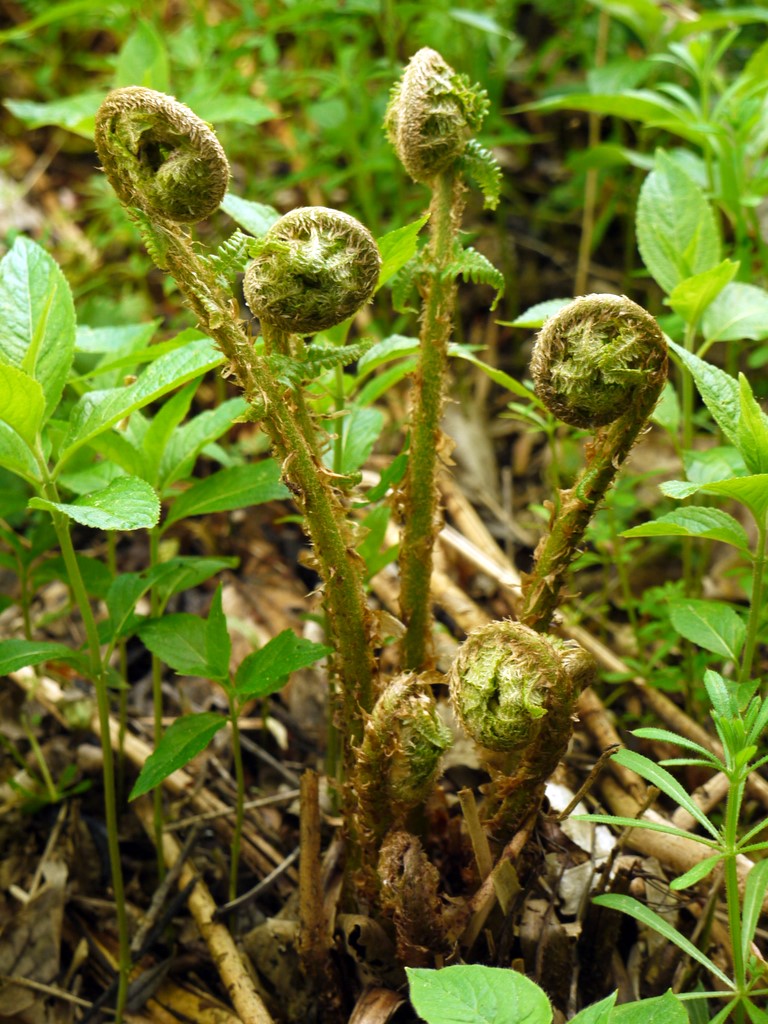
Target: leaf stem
(237,757)
(756,602)
(98,676)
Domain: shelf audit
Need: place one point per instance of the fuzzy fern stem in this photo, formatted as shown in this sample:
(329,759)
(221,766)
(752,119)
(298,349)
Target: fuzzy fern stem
(420,497)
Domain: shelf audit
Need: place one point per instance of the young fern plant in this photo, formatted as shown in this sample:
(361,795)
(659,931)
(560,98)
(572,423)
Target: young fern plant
(430,119)
(313,269)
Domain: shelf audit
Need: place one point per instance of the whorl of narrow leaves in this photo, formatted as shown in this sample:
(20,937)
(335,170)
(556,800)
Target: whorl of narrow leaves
(432,114)
(507,679)
(315,268)
(597,358)
(160,156)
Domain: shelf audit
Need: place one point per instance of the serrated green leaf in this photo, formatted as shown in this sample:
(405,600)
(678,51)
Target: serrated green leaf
(473,994)
(692,296)
(695,874)
(188,441)
(397,248)
(679,489)
(231,488)
(109,340)
(536,316)
(632,907)
(676,228)
(740,311)
(128,503)
(710,523)
(37,318)
(752,429)
(718,389)
(474,267)
(751,491)
(16,654)
(255,218)
(266,670)
(162,427)
(666,782)
(22,403)
(714,464)
(143,60)
(97,411)
(180,641)
(182,741)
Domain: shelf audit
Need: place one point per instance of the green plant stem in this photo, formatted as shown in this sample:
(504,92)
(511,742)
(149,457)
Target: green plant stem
(158,816)
(420,498)
(237,758)
(50,787)
(577,505)
(756,603)
(733,900)
(98,675)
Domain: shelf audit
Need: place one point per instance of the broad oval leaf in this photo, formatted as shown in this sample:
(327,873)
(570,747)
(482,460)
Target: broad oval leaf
(692,296)
(473,994)
(397,248)
(97,411)
(676,228)
(182,741)
(180,640)
(128,503)
(713,625)
(666,1009)
(711,523)
(231,488)
(265,671)
(37,318)
(16,654)
(740,311)
(597,1013)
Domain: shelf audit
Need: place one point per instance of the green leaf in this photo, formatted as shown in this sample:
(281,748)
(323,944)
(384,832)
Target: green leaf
(692,296)
(124,338)
(143,60)
(497,376)
(398,247)
(180,641)
(676,228)
(752,430)
(74,113)
(710,523)
(473,994)
(266,670)
(666,736)
(632,907)
(22,403)
(226,107)
(666,782)
(695,874)
(642,105)
(360,430)
(666,1009)
(16,654)
(97,411)
(37,318)
(536,316)
(751,491)
(218,645)
(644,17)
(618,821)
(128,503)
(16,456)
(255,218)
(597,1013)
(740,311)
(718,389)
(182,741)
(162,427)
(188,441)
(235,487)
(474,267)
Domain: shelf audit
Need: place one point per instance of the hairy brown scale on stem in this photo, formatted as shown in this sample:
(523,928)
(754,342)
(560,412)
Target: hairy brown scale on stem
(160,156)
(598,357)
(316,267)
(432,114)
